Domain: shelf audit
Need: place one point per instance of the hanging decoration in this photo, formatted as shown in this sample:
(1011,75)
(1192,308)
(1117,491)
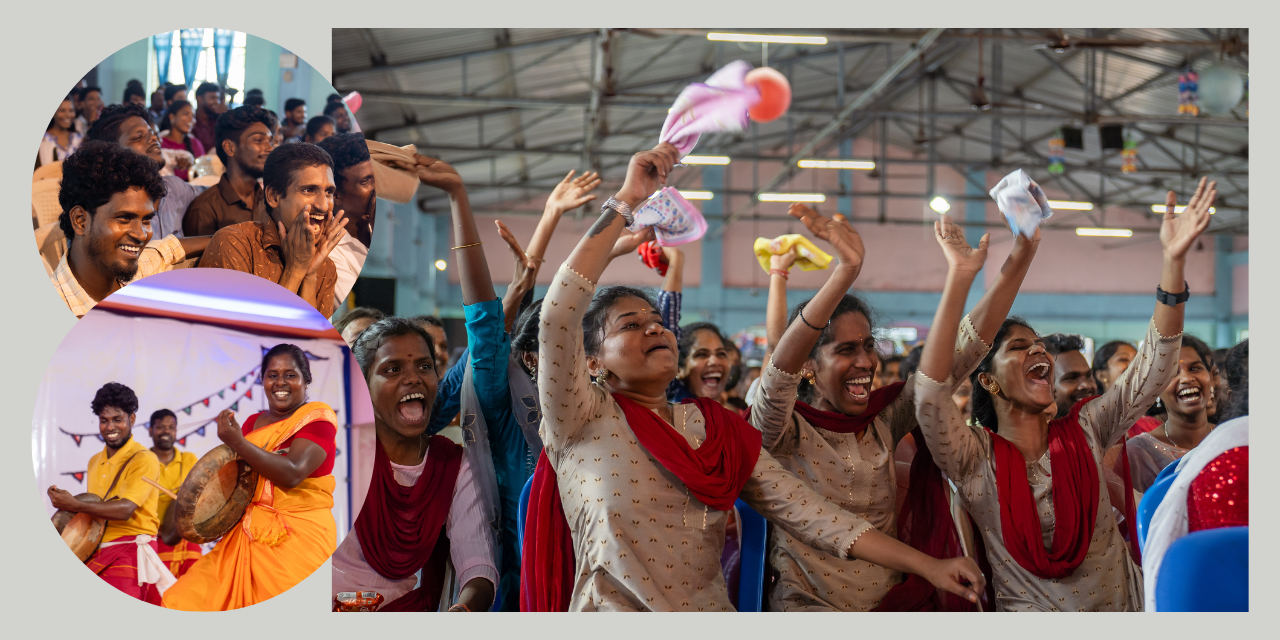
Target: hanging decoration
(1130,155)
(1057,153)
(1189,92)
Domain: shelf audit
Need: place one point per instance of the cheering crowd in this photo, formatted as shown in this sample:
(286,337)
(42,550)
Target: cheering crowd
(284,199)
(606,455)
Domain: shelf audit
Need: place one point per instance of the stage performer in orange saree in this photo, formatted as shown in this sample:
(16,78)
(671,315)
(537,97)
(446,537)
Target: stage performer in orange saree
(288,530)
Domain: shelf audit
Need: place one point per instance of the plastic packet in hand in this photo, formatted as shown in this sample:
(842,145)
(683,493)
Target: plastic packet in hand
(1022,202)
(674,220)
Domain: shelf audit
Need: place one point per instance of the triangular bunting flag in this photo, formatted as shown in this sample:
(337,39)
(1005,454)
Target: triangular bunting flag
(249,394)
(182,441)
(187,410)
(200,431)
(233,385)
(235,406)
(220,393)
(78,475)
(75,436)
(206,401)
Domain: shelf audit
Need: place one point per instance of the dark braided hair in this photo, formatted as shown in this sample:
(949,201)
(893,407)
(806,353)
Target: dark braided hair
(292,350)
(848,304)
(593,320)
(114,394)
(525,339)
(367,343)
(984,405)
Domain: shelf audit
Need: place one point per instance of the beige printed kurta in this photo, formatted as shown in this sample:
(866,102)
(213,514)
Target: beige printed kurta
(857,473)
(641,540)
(1108,579)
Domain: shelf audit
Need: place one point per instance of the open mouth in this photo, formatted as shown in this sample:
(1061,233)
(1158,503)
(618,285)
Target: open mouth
(1038,373)
(657,347)
(1190,396)
(412,408)
(131,250)
(317,218)
(713,380)
(858,389)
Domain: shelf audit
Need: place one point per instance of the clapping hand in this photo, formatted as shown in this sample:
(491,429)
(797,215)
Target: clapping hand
(961,256)
(298,243)
(1178,231)
(837,231)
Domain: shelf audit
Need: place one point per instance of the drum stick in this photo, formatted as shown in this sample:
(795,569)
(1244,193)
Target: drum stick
(157,485)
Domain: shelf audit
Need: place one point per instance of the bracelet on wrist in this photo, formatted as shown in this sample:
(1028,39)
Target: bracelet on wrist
(806,322)
(460,607)
(779,272)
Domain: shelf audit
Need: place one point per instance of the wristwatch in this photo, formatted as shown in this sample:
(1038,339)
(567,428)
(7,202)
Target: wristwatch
(621,207)
(1173,299)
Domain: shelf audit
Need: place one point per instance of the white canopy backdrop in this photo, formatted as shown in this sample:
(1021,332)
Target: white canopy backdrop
(194,369)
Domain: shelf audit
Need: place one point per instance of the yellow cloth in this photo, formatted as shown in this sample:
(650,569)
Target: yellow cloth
(102,470)
(808,256)
(283,537)
(172,476)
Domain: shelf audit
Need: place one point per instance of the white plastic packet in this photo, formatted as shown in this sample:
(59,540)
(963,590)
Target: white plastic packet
(1022,202)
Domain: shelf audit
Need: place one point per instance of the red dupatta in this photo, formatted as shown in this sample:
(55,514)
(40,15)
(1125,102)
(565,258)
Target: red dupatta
(400,527)
(1075,499)
(920,524)
(714,472)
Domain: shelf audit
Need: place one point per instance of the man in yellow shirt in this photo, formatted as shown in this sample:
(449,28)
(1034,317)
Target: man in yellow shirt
(177,554)
(127,558)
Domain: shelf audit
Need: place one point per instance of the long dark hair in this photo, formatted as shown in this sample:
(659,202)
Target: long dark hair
(984,405)
(848,304)
(525,339)
(687,338)
(1206,357)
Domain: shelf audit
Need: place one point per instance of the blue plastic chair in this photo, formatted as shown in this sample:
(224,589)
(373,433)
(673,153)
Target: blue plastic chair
(753,534)
(1152,498)
(1206,571)
(521,510)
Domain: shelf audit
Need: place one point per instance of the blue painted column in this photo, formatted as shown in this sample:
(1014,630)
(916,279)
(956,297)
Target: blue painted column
(975,210)
(844,204)
(403,252)
(1223,290)
(711,291)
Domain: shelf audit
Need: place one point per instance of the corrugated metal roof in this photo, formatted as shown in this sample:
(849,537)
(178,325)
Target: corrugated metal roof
(510,107)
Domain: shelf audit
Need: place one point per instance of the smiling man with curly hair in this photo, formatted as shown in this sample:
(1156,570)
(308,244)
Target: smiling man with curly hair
(109,195)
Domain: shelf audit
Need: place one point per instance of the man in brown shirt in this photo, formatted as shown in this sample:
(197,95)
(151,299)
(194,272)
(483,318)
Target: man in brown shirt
(291,248)
(243,141)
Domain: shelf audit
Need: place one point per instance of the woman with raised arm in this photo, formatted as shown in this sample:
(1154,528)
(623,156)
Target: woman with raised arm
(628,504)
(1033,484)
(840,436)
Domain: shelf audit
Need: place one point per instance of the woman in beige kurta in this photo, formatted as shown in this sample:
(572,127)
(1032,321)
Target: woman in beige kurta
(1013,397)
(641,539)
(855,471)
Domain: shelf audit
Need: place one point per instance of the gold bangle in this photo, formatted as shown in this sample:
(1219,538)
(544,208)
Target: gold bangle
(473,244)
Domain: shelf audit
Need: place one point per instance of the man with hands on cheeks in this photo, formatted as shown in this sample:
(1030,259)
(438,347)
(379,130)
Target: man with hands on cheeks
(293,250)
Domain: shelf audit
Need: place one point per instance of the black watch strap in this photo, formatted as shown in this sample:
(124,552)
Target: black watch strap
(1173,299)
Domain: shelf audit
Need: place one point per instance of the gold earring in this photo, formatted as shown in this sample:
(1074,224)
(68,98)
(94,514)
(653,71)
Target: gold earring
(810,377)
(604,373)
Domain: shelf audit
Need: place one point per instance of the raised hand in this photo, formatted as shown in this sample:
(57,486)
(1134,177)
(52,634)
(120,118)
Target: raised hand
(228,428)
(784,261)
(628,242)
(438,174)
(526,270)
(837,231)
(1178,231)
(573,192)
(647,171)
(961,257)
(298,243)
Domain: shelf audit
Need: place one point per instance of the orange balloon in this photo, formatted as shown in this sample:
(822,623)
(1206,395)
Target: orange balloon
(775,94)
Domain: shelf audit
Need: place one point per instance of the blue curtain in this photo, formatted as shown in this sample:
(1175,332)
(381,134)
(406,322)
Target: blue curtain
(192,39)
(222,39)
(164,46)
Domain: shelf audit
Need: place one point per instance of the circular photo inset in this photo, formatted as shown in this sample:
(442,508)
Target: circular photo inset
(190,435)
(203,148)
